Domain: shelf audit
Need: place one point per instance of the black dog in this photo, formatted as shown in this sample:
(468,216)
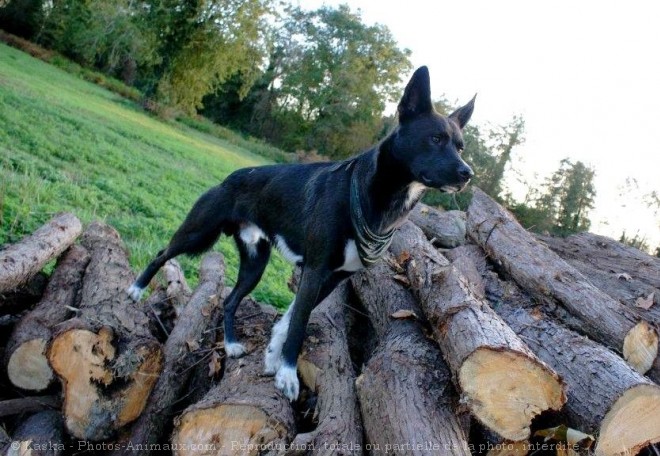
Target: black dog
(331,218)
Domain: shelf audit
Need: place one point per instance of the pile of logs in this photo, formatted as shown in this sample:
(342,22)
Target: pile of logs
(472,336)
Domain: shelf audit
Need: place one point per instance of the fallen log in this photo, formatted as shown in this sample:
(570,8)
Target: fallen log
(405,388)
(107,358)
(25,296)
(620,284)
(607,255)
(443,229)
(41,434)
(179,356)
(244,414)
(29,405)
(502,382)
(550,279)
(605,396)
(326,368)
(25,355)
(21,261)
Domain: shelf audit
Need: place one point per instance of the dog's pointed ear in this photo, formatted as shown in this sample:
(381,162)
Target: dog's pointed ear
(416,98)
(462,115)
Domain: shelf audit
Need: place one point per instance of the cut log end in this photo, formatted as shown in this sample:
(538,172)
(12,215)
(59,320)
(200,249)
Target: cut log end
(230,429)
(28,366)
(632,422)
(640,347)
(88,365)
(508,389)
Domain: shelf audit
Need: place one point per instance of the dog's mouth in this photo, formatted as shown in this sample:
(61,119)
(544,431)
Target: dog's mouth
(450,189)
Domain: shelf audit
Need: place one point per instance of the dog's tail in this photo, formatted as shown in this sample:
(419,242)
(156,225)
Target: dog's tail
(201,229)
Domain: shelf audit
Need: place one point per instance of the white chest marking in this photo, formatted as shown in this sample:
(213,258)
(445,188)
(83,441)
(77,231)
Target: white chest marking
(414,192)
(251,234)
(286,252)
(352,261)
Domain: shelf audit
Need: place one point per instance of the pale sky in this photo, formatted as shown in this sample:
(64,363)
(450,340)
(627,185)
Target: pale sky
(585,75)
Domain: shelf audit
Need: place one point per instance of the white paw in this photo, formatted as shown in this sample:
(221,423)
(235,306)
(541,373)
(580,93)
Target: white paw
(272,359)
(286,381)
(234,349)
(135,292)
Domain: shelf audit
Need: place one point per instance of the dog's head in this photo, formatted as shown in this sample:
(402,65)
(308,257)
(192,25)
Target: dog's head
(427,143)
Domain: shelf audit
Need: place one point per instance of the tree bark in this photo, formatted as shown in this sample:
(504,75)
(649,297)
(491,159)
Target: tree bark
(405,388)
(443,229)
(621,283)
(503,383)
(244,414)
(21,261)
(106,357)
(326,368)
(607,255)
(549,278)
(27,365)
(41,434)
(606,397)
(180,354)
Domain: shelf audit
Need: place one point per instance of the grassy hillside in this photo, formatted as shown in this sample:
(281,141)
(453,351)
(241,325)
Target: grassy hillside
(68,145)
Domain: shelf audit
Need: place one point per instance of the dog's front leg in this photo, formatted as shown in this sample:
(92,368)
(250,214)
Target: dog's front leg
(309,294)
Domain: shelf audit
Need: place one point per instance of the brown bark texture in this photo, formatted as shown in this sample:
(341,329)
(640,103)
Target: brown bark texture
(244,414)
(106,357)
(605,396)
(326,368)
(407,400)
(547,277)
(502,382)
(180,354)
(444,229)
(21,261)
(25,354)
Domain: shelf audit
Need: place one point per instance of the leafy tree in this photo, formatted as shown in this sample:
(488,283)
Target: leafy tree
(569,195)
(106,34)
(204,43)
(326,84)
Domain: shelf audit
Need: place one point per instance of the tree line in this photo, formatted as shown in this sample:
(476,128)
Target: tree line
(302,80)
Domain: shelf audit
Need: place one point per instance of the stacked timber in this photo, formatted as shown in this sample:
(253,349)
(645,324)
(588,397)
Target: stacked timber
(471,336)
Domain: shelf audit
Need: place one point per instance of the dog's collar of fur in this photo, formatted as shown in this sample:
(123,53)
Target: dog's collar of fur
(370,246)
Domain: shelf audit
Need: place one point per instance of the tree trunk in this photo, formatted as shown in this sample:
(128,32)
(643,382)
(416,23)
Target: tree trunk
(503,383)
(326,368)
(606,397)
(21,261)
(444,229)
(607,255)
(405,388)
(27,365)
(180,353)
(621,283)
(243,414)
(546,276)
(40,435)
(106,357)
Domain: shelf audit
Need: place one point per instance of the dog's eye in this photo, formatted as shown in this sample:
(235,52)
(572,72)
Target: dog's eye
(436,139)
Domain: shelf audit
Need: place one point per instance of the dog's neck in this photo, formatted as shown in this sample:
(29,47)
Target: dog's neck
(390,192)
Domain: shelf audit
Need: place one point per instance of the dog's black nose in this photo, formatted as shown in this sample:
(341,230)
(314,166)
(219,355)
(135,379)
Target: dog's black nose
(465,172)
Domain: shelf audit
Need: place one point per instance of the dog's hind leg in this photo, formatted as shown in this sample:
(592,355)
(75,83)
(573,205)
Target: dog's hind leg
(254,254)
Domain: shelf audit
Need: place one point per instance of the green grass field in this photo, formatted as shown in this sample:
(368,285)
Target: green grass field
(69,145)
